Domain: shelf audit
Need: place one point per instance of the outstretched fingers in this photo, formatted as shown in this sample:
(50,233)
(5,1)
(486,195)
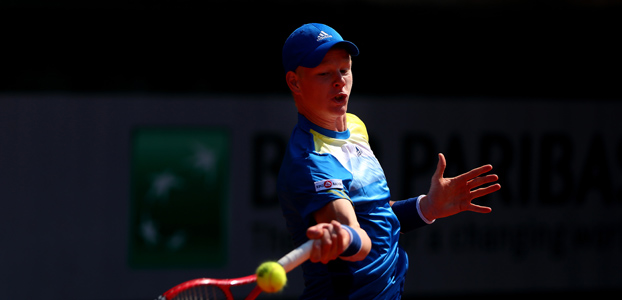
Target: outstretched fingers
(481,180)
(476,172)
(479,209)
(475,180)
(480,193)
(485,191)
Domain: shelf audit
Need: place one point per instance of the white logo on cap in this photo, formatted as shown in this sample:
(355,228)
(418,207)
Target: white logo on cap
(323,35)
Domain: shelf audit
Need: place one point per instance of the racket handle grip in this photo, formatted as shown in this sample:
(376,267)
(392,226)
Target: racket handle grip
(296,257)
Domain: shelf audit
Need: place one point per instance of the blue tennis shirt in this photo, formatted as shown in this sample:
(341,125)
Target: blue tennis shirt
(321,166)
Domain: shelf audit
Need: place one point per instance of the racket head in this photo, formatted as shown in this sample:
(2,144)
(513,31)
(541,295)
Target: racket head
(206,289)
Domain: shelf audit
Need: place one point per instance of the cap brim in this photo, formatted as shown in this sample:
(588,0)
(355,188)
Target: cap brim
(315,58)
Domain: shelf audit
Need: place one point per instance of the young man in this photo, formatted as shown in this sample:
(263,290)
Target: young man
(333,190)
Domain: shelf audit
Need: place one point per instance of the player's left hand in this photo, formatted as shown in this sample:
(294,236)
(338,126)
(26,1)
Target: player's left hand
(449,196)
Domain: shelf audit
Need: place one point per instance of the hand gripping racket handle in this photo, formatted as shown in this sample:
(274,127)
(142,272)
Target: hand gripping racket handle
(296,257)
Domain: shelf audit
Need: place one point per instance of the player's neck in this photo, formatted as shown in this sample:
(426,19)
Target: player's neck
(338,123)
(341,124)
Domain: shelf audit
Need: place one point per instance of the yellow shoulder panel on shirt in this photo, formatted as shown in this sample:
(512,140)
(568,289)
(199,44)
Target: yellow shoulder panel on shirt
(324,144)
(357,127)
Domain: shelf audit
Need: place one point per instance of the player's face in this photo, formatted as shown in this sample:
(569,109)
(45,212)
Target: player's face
(324,91)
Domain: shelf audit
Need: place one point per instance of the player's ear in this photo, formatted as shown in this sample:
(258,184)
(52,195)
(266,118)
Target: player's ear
(293,82)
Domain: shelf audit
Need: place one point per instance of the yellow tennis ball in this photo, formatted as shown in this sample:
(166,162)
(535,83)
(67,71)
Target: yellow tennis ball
(271,277)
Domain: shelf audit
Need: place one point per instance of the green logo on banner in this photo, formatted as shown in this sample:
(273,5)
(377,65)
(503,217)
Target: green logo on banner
(179,196)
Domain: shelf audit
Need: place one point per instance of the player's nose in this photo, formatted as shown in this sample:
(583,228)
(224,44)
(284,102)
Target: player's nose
(339,80)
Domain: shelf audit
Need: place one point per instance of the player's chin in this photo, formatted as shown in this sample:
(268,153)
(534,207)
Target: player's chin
(340,107)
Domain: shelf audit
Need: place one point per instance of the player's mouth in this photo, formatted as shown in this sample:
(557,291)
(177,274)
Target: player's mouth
(341,97)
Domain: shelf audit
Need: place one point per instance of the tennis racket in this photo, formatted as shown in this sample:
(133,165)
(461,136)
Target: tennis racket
(220,289)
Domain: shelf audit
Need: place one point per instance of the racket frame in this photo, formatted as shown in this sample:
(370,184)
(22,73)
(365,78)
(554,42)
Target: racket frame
(289,262)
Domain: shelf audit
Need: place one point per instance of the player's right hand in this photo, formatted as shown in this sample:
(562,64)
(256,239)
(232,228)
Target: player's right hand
(330,241)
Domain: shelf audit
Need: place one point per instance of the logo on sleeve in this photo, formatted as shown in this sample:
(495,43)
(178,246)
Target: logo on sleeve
(328,184)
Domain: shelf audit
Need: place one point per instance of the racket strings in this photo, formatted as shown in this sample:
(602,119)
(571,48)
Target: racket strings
(202,292)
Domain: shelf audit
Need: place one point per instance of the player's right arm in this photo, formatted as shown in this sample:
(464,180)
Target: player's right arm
(332,239)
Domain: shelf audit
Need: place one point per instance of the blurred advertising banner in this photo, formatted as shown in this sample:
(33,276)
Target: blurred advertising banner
(179,197)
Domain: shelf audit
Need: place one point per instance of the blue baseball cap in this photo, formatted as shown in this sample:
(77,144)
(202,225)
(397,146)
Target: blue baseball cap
(308,45)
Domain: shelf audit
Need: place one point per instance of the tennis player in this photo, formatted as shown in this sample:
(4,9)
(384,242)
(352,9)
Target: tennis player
(332,188)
